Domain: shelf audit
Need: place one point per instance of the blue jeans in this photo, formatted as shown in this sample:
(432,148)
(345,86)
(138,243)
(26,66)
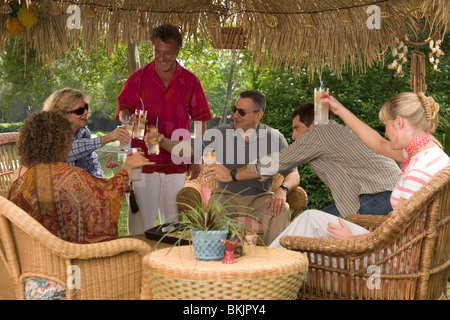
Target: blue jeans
(378,204)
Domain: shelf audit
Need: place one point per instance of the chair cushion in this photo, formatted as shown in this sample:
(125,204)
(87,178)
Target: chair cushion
(252,224)
(43,289)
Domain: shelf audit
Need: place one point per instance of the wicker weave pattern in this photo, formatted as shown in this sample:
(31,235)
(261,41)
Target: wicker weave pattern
(8,159)
(109,270)
(409,252)
(262,273)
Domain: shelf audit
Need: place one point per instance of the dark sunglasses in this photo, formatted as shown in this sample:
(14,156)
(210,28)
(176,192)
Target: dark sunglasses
(80,110)
(241,112)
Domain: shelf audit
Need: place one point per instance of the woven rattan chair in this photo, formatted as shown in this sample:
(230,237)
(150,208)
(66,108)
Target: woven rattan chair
(108,270)
(406,256)
(8,160)
(190,194)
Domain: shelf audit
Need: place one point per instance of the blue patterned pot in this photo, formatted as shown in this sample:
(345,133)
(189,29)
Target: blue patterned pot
(208,244)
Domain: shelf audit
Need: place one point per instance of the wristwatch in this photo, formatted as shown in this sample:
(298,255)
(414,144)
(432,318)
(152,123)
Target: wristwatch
(233,174)
(285,187)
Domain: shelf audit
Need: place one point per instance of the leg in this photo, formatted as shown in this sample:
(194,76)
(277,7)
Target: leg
(147,192)
(272,225)
(378,203)
(314,224)
(171,184)
(332,209)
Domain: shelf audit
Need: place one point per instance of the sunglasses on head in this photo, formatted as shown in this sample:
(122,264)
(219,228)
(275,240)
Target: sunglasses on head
(242,112)
(80,110)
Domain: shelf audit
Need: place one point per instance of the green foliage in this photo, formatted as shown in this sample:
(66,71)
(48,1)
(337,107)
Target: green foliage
(10,127)
(23,88)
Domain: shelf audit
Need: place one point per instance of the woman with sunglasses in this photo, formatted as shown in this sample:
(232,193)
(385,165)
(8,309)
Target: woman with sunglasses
(73,103)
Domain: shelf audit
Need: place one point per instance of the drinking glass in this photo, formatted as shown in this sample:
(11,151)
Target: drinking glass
(320,108)
(139,127)
(152,142)
(129,126)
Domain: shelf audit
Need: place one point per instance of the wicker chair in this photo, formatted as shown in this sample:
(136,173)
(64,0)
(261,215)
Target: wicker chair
(8,160)
(405,257)
(108,270)
(190,194)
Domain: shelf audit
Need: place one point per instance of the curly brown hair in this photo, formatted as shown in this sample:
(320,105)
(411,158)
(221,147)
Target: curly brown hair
(45,137)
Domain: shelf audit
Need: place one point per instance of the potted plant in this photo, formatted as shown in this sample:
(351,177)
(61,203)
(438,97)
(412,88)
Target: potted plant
(207,223)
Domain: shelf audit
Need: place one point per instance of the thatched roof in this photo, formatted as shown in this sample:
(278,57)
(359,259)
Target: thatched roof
(297,32)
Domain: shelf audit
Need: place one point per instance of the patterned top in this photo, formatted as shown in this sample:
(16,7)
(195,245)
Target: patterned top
(71,203)
(341,161)
(82,154)
(422,167)
(171,106)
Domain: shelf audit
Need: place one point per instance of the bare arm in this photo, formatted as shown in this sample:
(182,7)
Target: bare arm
(370,137)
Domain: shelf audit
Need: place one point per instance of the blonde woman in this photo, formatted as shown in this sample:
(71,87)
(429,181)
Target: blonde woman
(410,119)
(73,103)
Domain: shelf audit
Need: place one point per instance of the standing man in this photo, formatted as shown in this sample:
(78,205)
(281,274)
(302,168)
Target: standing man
(171,95)
(360,180)
(246,141)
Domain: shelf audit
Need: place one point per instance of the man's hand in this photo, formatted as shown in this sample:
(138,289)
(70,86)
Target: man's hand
(217,171)
(277,202)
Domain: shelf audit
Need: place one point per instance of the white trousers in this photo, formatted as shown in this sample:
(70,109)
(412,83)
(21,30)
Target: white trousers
(155,193)
(314,224)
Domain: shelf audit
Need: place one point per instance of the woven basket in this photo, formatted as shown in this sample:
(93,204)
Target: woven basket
(208,244)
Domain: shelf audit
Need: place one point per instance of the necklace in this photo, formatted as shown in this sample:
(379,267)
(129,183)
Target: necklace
(418,143)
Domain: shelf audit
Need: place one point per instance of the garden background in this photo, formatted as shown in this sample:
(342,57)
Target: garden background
(24,87)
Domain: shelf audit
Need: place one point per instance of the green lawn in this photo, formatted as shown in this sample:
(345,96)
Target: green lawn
(102,157)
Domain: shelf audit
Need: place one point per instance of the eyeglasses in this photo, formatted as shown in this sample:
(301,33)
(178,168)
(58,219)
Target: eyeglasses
(80,110)
(242,112)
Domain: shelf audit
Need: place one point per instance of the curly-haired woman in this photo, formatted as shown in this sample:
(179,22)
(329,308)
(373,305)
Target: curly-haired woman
(71,203)
(73,103)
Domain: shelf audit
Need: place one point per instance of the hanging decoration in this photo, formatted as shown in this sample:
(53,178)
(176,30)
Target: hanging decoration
(399,52)
(27,16)
(5,8)
(435,51)
(227,34)
(418,72)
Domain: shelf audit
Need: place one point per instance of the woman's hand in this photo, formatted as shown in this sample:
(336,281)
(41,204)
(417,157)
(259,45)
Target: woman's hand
(136,160)
(335,106)
(341,232)
(119,134)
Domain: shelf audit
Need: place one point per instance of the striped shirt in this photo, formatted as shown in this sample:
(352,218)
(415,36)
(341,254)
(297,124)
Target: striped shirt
(341,161)
(82,154)
(422,167)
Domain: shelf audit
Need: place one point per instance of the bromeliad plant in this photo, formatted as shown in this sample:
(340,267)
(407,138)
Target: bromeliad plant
(208,213)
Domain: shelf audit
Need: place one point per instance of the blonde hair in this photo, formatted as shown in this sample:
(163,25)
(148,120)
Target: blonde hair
(420,110)
(63,100)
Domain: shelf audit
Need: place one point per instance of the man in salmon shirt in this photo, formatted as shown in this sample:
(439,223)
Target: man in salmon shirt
(171,95)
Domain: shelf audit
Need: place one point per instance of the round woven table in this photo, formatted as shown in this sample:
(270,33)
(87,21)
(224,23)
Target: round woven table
(261,274)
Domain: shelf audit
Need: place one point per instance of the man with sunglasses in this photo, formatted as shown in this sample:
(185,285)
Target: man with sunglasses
(246,141)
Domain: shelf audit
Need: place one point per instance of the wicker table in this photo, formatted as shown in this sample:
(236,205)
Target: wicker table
(262,273)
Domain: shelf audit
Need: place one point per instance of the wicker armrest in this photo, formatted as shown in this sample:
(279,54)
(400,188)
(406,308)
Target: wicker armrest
(297,200)
(368,221)
(338,248)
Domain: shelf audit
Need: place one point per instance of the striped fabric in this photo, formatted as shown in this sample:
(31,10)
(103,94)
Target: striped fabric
(341,161)
(422,167)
